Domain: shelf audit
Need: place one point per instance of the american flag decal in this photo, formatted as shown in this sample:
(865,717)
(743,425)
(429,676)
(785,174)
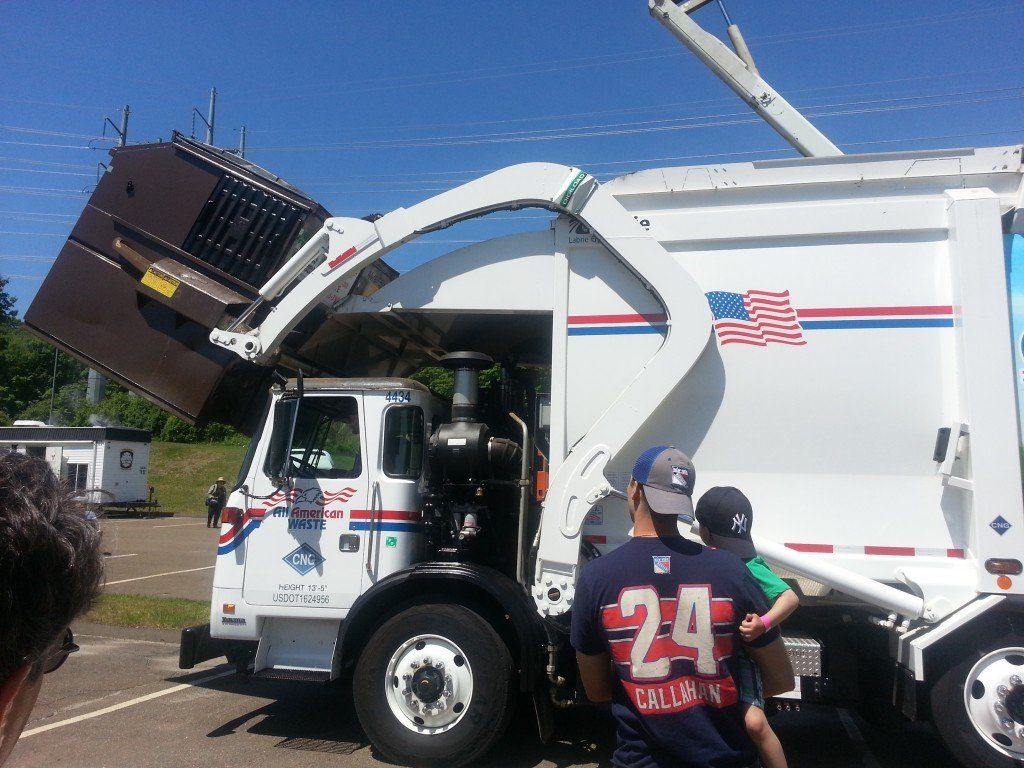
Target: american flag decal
(755,317)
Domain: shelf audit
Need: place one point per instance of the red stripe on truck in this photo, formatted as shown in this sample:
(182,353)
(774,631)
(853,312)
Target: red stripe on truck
(603,319)
(825,548)
(384,514)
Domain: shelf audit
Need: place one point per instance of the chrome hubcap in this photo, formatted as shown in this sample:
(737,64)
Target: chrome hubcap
(429,684)
(994,698)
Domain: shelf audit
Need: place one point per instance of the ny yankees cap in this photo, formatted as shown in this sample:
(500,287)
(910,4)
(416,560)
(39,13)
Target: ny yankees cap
(667,475)
(728,516)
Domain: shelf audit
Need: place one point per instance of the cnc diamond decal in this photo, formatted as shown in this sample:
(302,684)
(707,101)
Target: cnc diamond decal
(1000,525)
(303,559)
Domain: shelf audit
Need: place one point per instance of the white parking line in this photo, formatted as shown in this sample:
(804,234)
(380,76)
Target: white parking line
(111,557)
(124,704)
(155,575)
(867,757)
(176,525)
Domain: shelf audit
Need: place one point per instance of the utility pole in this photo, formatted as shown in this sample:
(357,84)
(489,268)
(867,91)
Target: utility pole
(97,382)
(122,132)
(212,116)
(209,120)
(241,142)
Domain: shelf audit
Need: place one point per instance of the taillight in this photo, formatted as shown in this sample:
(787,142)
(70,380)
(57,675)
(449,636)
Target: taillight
(1004,566)
(231,515)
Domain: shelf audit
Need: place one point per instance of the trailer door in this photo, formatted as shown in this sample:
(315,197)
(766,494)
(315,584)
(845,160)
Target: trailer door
(305,555)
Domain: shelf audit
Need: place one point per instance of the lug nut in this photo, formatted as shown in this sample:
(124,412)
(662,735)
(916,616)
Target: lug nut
(439,665)
(1014,680)
(1001,691)
(999,708)
(1007,723)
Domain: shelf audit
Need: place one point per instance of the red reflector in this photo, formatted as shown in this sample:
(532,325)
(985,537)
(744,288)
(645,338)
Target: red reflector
(229,608)
(257,512)
(231,515)
(1007,566)
(342,257)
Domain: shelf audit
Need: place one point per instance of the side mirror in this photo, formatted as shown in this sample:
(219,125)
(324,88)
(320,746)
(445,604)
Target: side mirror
(279,460)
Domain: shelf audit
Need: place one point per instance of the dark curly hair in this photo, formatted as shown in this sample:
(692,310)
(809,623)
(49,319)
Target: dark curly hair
(51,565)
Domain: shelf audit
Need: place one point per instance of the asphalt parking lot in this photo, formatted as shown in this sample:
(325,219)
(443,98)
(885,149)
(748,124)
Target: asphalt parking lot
(122,701)
(167,557)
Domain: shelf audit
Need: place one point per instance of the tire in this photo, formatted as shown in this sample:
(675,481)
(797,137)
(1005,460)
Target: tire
(959,729)
(473,709)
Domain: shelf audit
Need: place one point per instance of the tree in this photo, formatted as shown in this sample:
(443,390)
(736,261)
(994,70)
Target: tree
(28,369)
(7,302)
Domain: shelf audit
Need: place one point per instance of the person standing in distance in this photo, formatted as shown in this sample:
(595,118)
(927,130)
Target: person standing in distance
(51,567)
(216,500)
(655,625)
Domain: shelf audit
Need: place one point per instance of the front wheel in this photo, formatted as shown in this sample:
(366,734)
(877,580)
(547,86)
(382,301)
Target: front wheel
(978,705)
(433,687)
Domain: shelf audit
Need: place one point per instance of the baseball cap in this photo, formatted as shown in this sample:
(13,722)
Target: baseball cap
(667,475)
(728,516)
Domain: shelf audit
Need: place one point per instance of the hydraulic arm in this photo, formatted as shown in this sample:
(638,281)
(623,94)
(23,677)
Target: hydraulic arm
(579,482)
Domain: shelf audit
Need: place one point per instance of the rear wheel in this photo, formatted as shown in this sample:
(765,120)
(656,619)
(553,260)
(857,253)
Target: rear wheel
(434,687)
(978,705)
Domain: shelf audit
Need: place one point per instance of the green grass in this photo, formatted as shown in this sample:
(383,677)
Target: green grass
(182,472)
(146,611)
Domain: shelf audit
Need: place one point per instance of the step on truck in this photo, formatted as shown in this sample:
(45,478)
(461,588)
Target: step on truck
(830,334)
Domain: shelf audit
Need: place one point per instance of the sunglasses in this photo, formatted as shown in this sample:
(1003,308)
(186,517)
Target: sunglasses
(55,659)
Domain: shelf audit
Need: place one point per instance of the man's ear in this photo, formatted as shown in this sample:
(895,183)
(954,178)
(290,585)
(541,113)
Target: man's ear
(10,688)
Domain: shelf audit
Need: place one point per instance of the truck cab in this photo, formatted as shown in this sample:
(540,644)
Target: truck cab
(334,487)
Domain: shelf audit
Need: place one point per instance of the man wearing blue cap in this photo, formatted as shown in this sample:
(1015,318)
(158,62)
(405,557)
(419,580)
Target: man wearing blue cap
(655,625)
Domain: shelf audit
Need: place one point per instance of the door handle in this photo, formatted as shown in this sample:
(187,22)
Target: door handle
(949,457)
(374,493)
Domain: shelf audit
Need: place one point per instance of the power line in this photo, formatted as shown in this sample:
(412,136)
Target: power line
(627,110)
(46,162)
(18,257)
(42,170)
(52,104)
(452,77)
(35,234)
(48,132)
(52,146)
(588,164)
(650,126)
(23,277)
(40,213)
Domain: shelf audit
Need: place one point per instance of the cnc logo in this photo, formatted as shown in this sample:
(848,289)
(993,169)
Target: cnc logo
(303,559)
(1000,525)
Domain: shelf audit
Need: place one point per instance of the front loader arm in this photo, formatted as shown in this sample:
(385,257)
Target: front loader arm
(579,482)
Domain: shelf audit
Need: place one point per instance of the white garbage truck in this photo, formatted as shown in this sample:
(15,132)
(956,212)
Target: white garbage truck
(831,334)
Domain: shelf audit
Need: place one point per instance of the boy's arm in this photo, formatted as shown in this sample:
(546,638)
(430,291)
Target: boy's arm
(784,606)
(753,626)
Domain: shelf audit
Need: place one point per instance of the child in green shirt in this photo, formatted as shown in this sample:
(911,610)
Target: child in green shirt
(725,518)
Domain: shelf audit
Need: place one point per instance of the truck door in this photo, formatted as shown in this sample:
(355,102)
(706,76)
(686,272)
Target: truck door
(304,554)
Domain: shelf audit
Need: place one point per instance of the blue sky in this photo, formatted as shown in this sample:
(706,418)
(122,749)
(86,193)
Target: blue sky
(368,106)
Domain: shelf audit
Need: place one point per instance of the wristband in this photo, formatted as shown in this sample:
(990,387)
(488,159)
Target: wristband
(767,621)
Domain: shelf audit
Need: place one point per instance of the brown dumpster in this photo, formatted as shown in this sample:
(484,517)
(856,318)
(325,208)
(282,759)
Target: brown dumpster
(175,241)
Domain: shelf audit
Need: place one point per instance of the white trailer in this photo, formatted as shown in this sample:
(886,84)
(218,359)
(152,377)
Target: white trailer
(831,334)
(104,466)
